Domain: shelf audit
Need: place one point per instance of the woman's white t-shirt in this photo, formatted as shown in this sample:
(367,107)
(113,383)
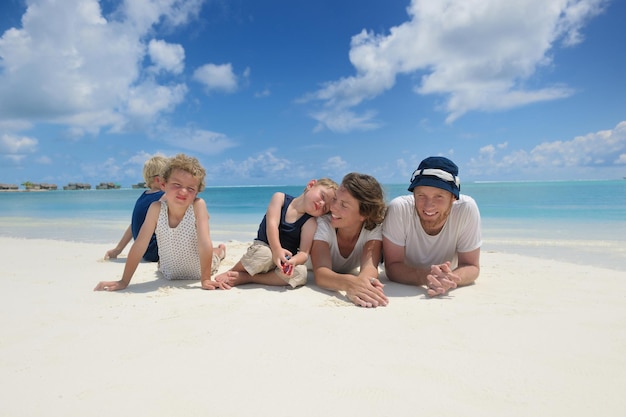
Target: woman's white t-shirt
(326,233)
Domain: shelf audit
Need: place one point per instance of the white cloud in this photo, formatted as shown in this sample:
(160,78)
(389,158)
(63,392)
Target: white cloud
(264,93)
(335,163)
(601,149)
(149,98)
(44,160)
(216,77)
(167,56)
(344,121)
(143,14)
(264,166)
(478,54)
(196,140)
(69,64)
(140,158)
(109,170)
(17,145)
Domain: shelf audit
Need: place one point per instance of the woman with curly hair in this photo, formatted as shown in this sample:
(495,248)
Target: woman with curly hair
(347,247)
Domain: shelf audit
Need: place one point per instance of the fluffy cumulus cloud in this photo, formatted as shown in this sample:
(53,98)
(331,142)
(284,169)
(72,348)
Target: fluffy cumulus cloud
(335,164)
(582,154)
(344,121)
(476,54)
(70,64)
(14,148)
(166,56)
(216,77)
(196,140)
(17,145)
(263,167)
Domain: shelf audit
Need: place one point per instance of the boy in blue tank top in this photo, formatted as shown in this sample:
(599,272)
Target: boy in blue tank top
(281,248)
(152,170)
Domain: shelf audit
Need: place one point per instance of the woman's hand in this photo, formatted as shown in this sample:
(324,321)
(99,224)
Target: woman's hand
(367,292)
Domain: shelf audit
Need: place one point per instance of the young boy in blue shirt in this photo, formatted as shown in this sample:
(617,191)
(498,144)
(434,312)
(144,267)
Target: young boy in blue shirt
(152,170)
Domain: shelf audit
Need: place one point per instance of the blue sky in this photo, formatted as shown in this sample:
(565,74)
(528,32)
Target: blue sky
(282,91)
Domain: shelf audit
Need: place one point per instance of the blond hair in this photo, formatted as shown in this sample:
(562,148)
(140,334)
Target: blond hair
(153,167)
(326,182)
(188,164)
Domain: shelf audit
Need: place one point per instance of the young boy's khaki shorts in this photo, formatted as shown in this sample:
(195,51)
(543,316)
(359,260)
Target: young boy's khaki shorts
(258,260)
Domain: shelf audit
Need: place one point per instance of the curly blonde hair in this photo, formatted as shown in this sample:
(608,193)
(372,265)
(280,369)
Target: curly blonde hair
(368,192)
(188,164)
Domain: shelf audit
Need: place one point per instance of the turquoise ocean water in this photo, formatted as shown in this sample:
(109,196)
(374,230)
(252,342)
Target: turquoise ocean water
(576,221)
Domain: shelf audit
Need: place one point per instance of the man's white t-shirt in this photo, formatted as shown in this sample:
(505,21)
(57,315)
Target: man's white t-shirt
(325,232)
(461,232)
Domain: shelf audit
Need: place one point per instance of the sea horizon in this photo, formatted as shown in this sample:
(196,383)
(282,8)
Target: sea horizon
(119,187)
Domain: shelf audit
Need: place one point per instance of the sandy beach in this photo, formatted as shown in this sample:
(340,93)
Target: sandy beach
(533,337)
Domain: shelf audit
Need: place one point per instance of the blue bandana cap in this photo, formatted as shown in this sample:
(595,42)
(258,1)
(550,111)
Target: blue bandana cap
(437,171)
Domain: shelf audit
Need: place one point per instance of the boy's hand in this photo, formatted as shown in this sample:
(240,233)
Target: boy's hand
(286,266)
(110,286)
(280,257)
(112,254)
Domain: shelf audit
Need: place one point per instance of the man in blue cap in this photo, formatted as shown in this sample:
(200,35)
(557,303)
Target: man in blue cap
(432,237)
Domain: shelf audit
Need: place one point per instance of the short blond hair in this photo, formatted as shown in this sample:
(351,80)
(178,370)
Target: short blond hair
(153,167)
(326,182)
(188,164)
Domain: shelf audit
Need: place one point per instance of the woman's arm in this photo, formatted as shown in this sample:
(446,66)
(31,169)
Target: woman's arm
(363,290)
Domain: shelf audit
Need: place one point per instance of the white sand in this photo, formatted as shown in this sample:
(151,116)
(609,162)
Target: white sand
(532,338)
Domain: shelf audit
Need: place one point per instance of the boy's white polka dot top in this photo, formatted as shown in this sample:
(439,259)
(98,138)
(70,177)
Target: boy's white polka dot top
(178,247)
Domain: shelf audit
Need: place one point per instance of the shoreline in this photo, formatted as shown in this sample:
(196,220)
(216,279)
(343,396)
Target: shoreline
(526,339)
(585,244)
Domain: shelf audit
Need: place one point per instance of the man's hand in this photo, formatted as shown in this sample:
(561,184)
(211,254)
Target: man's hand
(441,279)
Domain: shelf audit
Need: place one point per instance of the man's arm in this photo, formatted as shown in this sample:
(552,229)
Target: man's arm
(468,267)
(397,270)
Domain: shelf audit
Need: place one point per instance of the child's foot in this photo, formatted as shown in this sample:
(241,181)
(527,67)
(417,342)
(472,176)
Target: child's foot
(228,279)
(221,251)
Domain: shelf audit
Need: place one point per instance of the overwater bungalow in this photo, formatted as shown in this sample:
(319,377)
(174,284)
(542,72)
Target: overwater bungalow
(77,186)
(107,186)
(8,187)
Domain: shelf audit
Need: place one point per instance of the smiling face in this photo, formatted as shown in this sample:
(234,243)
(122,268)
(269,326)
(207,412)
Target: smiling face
(345,210)
(318,199)
(181,187)
(433,207)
